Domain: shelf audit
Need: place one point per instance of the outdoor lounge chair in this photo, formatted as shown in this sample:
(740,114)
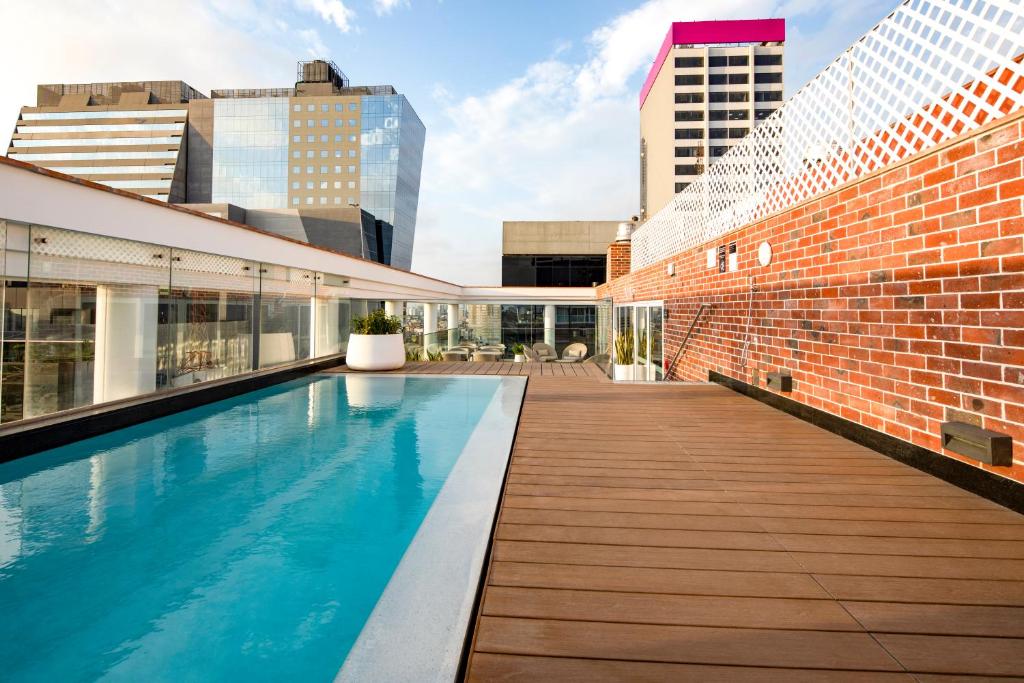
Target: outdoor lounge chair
(574,353)
(545,351)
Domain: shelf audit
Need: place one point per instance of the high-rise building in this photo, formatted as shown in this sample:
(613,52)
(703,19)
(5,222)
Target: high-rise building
(555,253)
(711,82)
(321,147)
(125,135)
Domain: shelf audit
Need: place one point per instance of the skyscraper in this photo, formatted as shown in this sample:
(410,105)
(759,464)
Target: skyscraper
(320,148)
(711,82)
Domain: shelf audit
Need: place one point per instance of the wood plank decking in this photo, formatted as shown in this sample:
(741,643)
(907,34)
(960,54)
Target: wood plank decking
(685,532)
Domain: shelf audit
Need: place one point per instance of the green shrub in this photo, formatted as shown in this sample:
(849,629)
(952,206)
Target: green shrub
(377,322)
(518,349)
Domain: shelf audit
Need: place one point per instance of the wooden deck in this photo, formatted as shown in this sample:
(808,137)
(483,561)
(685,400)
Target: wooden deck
(669,532)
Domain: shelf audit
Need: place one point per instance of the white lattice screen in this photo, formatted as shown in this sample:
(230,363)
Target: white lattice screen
(931,70)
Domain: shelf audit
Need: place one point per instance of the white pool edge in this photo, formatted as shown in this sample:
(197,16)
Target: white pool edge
(418,628)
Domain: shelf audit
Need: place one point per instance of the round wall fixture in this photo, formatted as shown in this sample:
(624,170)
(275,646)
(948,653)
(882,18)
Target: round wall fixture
(764,254)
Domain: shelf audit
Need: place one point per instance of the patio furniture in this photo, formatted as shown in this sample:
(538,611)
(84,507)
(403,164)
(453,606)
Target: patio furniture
(454,355)
(486,356)
(531,355)
(574,353)
(545,351)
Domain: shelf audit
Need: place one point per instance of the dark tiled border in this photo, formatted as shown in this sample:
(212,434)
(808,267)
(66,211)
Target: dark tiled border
(1001,490)
(40,434)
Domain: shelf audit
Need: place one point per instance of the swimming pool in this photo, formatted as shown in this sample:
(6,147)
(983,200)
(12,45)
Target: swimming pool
(246,539)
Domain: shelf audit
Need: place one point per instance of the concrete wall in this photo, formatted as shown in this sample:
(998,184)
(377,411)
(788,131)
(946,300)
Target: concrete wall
(896,301)
(557,237)
(657,132)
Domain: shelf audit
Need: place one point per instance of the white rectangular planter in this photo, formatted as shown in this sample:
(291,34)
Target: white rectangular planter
(375,352)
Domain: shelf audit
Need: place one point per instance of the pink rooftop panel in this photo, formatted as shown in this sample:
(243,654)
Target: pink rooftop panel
(708,32)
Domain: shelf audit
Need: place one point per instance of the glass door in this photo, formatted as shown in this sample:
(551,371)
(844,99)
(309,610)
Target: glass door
(639,350)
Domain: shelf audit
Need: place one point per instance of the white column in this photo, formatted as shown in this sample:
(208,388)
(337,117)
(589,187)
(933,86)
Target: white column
(314,314)
(392,307)
(126,321)
(549,325)
(429,324)
(453,324)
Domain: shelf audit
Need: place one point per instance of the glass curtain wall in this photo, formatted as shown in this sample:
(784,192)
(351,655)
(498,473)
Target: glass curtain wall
(639,341)
(89,319)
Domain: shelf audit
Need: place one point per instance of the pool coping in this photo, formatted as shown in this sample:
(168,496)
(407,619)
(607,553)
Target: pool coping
(417,630)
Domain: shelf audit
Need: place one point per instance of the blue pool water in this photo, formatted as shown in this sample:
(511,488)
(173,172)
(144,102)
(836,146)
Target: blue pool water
(244,540)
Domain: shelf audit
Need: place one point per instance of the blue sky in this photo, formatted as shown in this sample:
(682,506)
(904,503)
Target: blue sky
(530,106)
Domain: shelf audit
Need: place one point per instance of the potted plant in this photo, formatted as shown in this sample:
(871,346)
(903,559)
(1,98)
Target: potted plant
(623,368)
(376,343)
(520,353)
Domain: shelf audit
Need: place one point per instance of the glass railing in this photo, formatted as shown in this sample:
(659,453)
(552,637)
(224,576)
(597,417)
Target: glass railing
(567,344)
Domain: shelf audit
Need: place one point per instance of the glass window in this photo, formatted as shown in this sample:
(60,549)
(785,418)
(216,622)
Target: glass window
(690,115)
(296,138)
(103,128)
(338,107)
(689,151)
(310,169)
(717,133)
(324,154)
(739,60)
(337,169)
(352,122)
(767,96)
(768,77)
(719,150)
(323,184)
(338,123)
(297,123)
(324,123)
(296,169)
(310,123)
(295,201)
(690,79)
(352,106)
(337,200)
(309,184)
(297,107)
(762,114)
(352,153)
(310,138)
(739,79)
(767,60)
(325,107)
(90,142)
(324,138)
(296,154)
(323,200)
(337,138)
(337,184)
(351,138)
(309,200)
(324,169)
(689,133)
(736,133)
(311,107)
(689,62)
(717,60)
(285,314)
(718,96)
(689,169)
(310,153)
(351,169)
(352,201)
(337,154)
(681,186)
(689,97)
(295,184)
(351,184)
(717,79)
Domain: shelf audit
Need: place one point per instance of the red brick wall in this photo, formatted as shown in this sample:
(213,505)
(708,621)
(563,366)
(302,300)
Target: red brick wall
(618,260)
(896,301)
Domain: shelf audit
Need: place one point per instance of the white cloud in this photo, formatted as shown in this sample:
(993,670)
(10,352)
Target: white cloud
(331,11)
(382,7)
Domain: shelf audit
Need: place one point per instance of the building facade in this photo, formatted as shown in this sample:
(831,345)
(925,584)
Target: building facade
(555,253)
(320,147)
(711,83)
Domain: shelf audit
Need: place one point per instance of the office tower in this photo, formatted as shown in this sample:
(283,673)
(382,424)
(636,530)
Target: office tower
(325,161)
(711,82)
(124,135)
